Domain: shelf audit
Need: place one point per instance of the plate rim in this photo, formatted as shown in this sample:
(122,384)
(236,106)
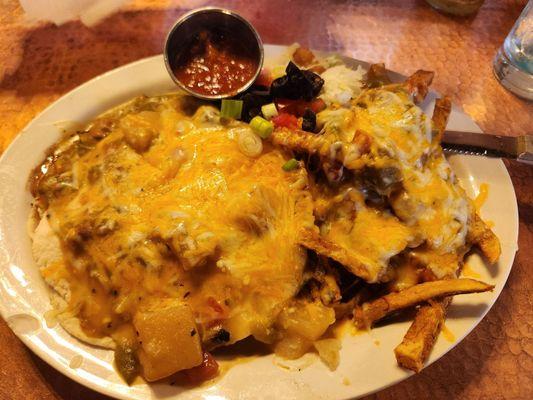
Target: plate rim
(71,373)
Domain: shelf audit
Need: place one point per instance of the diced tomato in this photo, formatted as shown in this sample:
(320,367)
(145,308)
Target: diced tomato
(208,369)
(284,102)
(298,107)
(264,78)
(285,120)
(294,107)
(317,105)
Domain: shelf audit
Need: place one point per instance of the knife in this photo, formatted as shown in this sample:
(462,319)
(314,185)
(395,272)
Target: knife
(519,148)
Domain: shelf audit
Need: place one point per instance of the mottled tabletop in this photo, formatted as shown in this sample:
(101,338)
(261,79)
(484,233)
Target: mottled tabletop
(39,62)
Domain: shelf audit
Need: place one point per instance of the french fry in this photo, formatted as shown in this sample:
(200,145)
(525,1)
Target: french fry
(418,84)
(368,313)
(298,140)
(377,76)
(417,343)
(479,234)
(482,236)
(313,241)
(441,112)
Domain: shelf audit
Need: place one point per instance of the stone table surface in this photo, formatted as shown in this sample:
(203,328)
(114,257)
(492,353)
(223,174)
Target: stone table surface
(39,62)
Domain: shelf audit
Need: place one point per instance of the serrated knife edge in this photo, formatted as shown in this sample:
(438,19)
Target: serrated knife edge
(516,147)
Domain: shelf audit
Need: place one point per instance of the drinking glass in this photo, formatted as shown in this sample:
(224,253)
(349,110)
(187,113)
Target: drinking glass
(513,64)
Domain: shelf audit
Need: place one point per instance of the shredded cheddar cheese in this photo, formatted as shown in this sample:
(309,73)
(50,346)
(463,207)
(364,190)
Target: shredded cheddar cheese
(161,233)
(187,216)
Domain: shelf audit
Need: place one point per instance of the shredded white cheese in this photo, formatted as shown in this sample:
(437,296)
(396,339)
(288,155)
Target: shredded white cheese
(341,84)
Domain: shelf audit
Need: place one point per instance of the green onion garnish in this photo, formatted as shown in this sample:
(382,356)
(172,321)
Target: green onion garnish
(290,165)
(262,127)
(231,109)
(269,111)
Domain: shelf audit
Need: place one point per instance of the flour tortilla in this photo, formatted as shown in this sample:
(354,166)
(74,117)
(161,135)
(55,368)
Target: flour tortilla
(46,250)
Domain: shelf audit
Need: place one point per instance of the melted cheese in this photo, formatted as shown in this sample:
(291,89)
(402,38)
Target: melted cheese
(435,206)
(166,206)
(481,198)
(373,235)
(398,128)
(191,217)
(429,203)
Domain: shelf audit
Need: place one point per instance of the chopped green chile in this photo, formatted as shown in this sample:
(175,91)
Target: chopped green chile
(290,165)
(127,363)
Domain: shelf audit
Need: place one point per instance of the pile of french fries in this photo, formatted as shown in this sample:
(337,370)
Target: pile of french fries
(430,297)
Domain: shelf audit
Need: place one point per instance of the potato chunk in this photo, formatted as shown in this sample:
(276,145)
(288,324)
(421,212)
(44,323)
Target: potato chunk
(302,324)
(139,130)
(168,338)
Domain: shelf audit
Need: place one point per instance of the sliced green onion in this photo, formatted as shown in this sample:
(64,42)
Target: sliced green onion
(269,111)
(262,127)
(290,165)
(231,109)
(249,143)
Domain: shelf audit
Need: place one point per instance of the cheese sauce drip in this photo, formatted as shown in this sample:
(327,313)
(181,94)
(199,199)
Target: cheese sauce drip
(481,198)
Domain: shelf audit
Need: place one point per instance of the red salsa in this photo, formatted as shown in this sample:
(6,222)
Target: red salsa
(215,63)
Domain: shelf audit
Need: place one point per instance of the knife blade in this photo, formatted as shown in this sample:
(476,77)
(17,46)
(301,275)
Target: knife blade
(519,148)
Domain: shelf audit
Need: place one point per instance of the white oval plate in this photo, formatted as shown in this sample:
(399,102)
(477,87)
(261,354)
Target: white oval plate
(367,360)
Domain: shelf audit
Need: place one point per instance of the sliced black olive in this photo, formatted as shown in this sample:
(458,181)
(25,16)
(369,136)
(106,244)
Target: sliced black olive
(309,121)
(316,83)
(252,102)
(222,336)
(296,84)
